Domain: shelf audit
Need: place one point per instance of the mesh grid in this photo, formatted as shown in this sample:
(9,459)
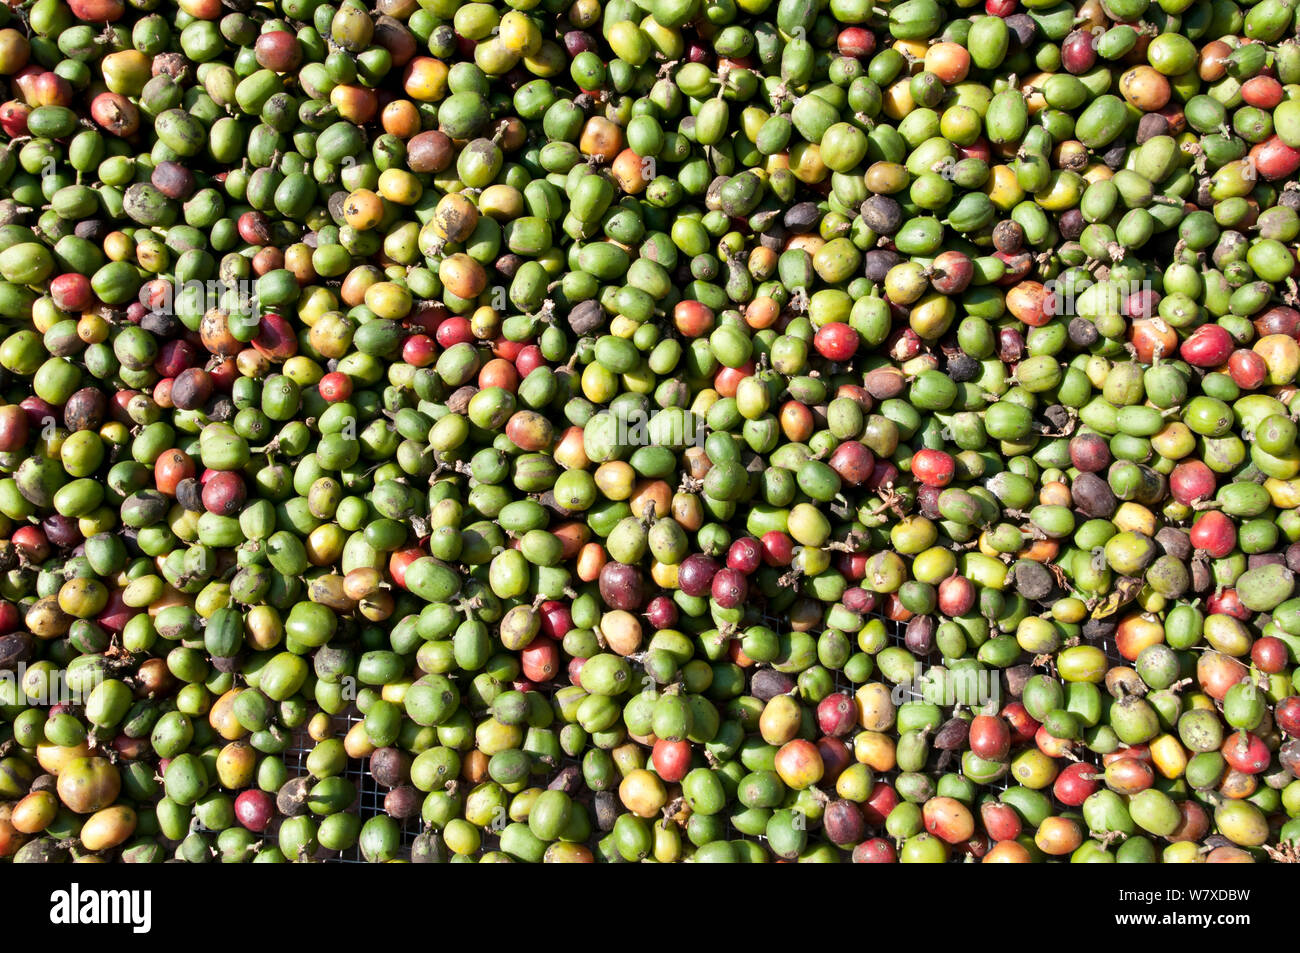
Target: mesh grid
(370,796)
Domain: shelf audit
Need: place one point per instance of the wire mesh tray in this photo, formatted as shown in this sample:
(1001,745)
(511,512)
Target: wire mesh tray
(370,795)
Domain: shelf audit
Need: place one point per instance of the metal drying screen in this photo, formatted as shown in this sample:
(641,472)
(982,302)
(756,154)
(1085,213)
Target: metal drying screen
(370,796)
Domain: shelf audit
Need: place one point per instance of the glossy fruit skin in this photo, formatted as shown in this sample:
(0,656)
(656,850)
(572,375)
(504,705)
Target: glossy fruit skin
(744,555)
(933,468)
(1215,534)
(1208,346)
(989,737)
(1073,785)
(1192,482)
(836,715)
(671,759)
(836,342)
(254,810)
(695,577)
(875,851)
(728,588)
(1287,716)
(1269,655)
